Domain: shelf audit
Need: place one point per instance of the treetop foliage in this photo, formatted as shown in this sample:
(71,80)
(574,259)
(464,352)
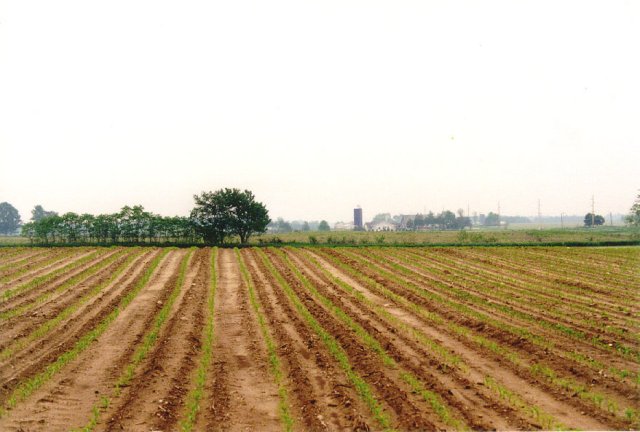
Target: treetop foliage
(633,218)
(227,212)
(129,225)
(216,217)
(9,219)
(39,212)
(324,226)
(593,220)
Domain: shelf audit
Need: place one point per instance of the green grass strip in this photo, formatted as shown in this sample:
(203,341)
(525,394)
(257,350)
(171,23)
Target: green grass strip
(152,335)
(41,280)
(195,395)
(432,398)
(49,325)
(274,361)
(85,274)
(26,388)
(361,387)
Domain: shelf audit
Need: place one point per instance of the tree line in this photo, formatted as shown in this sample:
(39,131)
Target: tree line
(218,217)
(282,226)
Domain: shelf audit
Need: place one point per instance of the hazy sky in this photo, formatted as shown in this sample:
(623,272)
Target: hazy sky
(320,106)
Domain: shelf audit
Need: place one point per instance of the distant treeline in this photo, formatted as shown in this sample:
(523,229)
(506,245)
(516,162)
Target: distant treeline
(227,214)
(129,225)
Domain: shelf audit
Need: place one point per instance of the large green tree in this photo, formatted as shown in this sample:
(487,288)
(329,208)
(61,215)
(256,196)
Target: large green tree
(633,218)
(227,212)
(9,218)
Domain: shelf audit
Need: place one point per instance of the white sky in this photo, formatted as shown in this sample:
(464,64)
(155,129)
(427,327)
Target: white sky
(320,106)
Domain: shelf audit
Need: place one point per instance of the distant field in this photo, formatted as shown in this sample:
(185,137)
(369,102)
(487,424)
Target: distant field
(13,240)
(485,236)
(319,338)
(480,236)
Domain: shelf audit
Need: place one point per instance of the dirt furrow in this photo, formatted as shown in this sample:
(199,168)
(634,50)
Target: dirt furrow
(386,383)
(23,293)
(15,253)
(412,411)
(620,393)
(488,290)
(67,400)
(155,397)
(68,330)
(541,284)
(537,264)
(482,363)
(559,340)
(23,261)
(322,397)
(450,383)
(19,320)
(242,395)
(63,258)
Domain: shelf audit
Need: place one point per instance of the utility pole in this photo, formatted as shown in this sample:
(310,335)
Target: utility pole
(561,221)
(498,214)
(610,218)
(593,212)
(539,216)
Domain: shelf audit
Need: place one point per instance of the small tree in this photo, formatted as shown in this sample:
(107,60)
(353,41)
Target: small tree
(593,220)
(492,219)
(448,219)
(633,218)
(282,226)
(9,219)
(324,226)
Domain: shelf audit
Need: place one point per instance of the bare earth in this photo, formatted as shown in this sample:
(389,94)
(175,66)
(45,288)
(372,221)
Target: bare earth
(437,338)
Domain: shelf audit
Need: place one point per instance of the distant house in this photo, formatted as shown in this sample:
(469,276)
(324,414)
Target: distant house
(343,226)
(406,222)
(382,226)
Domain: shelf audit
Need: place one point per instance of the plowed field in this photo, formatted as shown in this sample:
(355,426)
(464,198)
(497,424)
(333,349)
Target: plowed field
(149,339)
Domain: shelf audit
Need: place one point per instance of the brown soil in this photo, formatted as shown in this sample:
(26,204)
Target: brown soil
(322,397)
(612,388)
(155,398)
(242,394)
(22,262)
(240,390)
(458,390)
(486,364)
(71,328)
(67,400)
(50,285)
(63,258)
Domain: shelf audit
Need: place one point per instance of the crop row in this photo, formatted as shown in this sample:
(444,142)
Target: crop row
(410,338)
(29,384)
(497,293)
(412,293)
